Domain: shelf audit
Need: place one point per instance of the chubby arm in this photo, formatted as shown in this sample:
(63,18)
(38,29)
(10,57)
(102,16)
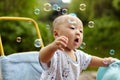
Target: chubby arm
(47,52)
(97,61)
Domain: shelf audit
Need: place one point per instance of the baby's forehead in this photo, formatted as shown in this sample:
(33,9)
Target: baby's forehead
(67,19)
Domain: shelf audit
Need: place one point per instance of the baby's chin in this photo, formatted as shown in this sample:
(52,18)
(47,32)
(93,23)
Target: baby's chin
(71,48)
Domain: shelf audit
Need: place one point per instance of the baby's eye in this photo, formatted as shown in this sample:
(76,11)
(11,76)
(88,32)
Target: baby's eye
(81,31)
(72,28)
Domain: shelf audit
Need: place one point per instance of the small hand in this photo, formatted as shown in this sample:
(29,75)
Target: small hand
(61,42)
(109,60)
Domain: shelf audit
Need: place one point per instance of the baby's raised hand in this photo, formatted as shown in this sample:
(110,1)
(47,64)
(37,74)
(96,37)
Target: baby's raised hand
(61,42)
(108,60)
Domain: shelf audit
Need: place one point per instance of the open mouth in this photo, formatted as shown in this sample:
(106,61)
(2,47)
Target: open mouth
(77,40)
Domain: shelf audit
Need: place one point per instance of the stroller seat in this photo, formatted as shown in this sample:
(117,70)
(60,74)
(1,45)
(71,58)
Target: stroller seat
(21,66)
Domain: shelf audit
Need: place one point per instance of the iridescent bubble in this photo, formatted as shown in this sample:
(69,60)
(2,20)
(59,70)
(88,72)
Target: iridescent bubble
(64,11)
(91,24)
(83,45)
(59,8)
(112,52)
(37,43)
(47,7)
(18,39)
(82,7)
(72,22)
(47,26)
(73,14)
(55,7)
(37,11)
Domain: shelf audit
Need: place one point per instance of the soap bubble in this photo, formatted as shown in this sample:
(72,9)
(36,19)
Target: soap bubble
(64,11)
(73,14)
(58,8)
(37,43)
(83,45)
(82,7)
(112,52)
(47,26)
(37,11)
(91,24)
(72,22)
(55,7)
(18,39)
(47,7)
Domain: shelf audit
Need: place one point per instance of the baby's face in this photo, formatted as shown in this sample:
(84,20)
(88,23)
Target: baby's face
(72,28)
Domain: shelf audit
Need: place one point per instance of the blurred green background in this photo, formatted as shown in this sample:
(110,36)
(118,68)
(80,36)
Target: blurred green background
(101,35)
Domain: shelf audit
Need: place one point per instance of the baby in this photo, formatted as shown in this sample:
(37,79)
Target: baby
(61,60)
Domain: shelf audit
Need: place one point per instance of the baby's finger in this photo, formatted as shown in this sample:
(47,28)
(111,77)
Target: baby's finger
(61,44)
(64,39)
(61,48)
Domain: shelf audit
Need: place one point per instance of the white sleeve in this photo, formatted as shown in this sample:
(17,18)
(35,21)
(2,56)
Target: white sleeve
(52,63)
(84,60)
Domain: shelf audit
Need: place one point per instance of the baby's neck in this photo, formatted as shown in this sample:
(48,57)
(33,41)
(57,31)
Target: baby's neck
(67,50)
(71,54)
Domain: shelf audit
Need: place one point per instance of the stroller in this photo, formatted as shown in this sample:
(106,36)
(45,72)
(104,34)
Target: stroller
(22,65)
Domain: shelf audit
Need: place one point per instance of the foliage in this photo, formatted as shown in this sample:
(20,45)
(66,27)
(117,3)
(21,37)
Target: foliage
(105,34)
(10,30)
(100,39)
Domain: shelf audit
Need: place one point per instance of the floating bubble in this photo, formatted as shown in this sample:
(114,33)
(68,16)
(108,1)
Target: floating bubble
(59,8)
(83,45)
(47,7)
(37,43)
(112,52)
(18,39)
(47,26)
(73,14)
(37,11)
(55,7)
(91,24)
(72,22)
(64,11)
(82,7)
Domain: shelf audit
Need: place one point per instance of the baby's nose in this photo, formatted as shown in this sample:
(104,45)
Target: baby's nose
(78,32)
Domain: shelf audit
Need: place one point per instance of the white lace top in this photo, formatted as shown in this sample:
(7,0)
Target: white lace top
(62,67)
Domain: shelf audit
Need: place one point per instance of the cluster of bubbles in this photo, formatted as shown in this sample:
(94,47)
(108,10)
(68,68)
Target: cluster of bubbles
(83,8)
(37,42)
(48,7)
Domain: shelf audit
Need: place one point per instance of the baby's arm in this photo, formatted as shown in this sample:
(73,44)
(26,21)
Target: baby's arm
(47,52)
(97,61)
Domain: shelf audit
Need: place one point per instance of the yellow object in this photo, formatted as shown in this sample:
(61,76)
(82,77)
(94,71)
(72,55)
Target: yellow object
(1,47)
(25,19)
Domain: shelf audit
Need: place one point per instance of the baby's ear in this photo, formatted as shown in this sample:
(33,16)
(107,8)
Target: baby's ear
(55,33)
